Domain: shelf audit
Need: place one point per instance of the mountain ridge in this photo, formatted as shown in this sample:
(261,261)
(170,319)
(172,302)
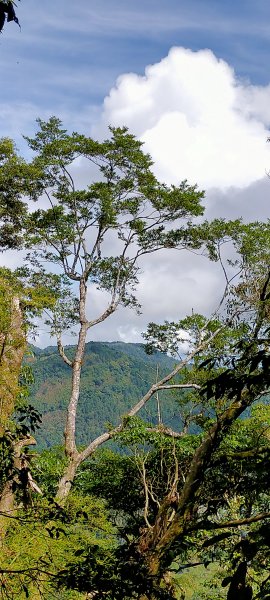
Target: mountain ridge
(115,375)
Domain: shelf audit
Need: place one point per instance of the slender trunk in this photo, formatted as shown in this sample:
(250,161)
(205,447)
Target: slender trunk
(7,499)
(7,509)
(70,430)
(12,348)
(66,480)
(71,451)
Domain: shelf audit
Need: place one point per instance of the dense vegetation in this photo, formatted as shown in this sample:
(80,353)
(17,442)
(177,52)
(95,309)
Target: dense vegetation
(82,520)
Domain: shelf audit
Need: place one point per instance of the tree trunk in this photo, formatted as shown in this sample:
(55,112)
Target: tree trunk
(12,348)
(71,451)
(7,509)
(169,527)
(66,480)
(7,498)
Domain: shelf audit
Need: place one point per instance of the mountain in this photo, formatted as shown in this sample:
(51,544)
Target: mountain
(114,377)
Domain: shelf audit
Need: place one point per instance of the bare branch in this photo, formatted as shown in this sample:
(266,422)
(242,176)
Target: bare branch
(152,495)
(263,393)
(107,312)
(232,523)
(62,352)
(166,431)
(28,570)
(180,386)
(146,492)
(33,485)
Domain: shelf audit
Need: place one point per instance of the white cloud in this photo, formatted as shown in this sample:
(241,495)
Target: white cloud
(198,121)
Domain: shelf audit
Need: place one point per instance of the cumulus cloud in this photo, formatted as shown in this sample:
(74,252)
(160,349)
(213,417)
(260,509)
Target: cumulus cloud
(197,120)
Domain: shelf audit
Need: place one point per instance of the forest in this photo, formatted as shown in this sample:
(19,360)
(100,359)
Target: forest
(148,475)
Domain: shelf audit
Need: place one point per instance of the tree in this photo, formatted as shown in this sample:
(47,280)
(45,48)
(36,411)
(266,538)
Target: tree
(20,300)
(13,345)
(95,237)
(199,496)
(14,186)
(18,419)
(14,308)
(237,374)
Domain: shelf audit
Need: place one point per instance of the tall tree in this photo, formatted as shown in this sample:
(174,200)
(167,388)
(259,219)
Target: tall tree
(12,349)
(17,303)
(14,185)
(96,236)
(94,239)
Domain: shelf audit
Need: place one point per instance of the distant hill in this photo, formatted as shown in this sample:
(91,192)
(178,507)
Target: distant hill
(115,375)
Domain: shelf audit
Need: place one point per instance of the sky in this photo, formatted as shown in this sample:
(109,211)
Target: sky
(190,78)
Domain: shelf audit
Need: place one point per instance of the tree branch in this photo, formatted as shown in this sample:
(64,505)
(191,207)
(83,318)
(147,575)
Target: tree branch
(166,431)
(234,523)
(180,386)
(28,571)
(107,312)
(62,352)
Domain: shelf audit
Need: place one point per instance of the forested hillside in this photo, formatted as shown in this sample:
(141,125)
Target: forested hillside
(114,376)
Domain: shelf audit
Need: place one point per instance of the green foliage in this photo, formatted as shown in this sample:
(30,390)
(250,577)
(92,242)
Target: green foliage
(114,574)
(16,181)
(106,475)
(233,479)
(48,468)
(6,459)
(25,421)
(227,493)
(41,542)
(234,488)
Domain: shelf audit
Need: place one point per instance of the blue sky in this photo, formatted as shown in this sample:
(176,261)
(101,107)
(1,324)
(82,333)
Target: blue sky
(190,78)
(69,53)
